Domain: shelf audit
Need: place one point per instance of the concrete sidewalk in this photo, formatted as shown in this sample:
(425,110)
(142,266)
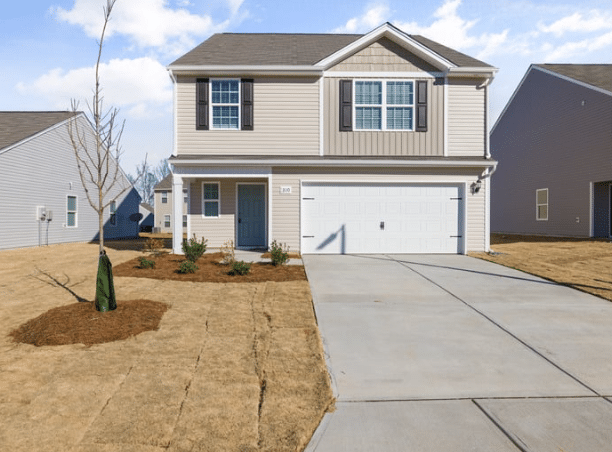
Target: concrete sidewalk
(454,353)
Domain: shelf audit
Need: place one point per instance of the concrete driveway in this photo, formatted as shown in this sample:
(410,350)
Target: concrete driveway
(448,352)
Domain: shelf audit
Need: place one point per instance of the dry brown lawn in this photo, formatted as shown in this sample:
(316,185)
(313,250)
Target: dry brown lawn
(234,366)
(584,264)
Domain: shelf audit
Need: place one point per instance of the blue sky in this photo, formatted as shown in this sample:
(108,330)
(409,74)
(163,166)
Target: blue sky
(48,47)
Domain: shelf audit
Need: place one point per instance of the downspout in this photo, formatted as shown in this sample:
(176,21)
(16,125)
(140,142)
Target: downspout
(174,119)
(485,85)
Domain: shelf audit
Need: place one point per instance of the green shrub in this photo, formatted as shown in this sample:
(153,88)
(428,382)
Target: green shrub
(279,253)
(240,268)
(145,263)
(193,249)
(187,267)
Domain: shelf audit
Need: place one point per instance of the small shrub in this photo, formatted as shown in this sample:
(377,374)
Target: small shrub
(279,253)
(187,267)
(146,263)
(240,268)
(193,249)
(153,245)
(229,255)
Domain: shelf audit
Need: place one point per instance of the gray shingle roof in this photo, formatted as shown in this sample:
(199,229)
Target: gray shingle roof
(598,75)
(164,184)
(262,49)
(19,125)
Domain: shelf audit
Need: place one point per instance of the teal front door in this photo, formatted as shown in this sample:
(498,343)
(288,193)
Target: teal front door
(251,215)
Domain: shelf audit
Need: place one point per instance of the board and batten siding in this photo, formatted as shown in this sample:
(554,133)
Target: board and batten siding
(466,117)
(382,56)
(42,171)
(385,143)
(286,120)
(286,207)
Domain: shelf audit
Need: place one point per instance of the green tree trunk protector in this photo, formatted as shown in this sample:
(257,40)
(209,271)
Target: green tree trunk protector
(105,289)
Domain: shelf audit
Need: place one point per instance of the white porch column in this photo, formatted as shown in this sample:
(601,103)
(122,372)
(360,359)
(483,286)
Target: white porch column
(177,214)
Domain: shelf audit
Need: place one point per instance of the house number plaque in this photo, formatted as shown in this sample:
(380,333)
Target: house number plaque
(285,190)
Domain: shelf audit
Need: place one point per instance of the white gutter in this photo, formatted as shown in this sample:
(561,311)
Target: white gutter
(331,163)
(246,70)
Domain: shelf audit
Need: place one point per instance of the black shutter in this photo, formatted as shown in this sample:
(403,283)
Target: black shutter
(346,105)
(247,104)
(421,106)
(202,104)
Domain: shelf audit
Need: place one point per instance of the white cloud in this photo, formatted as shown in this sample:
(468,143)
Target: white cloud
(148,23)
(568,51)
(577,22)
(140,86)
(374,16)
(452,30)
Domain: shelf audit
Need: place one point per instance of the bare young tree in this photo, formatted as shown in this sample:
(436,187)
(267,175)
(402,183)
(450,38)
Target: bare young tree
(162,169)
(98,162)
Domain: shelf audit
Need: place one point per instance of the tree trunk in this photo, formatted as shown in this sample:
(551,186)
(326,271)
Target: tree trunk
(101,221)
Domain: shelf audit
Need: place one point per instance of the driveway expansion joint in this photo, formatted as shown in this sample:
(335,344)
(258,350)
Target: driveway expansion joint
(533,349)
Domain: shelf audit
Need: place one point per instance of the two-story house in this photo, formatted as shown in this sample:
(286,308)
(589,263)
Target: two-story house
(333,143)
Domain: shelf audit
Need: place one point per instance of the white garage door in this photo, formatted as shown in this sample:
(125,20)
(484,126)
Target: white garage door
(342,218)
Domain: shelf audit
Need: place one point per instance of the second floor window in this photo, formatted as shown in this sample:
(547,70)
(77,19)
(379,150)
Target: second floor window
(385,105)
(225,101)
(164,197)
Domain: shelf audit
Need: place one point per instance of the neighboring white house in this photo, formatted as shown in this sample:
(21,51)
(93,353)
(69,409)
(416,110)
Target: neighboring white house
(43,200)
(163,206)
(147,219)
(333,143)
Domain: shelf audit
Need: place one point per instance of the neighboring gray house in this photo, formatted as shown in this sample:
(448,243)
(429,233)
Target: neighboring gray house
(333,143)
(147,219)
(553,142)
(163,206)
(43,201)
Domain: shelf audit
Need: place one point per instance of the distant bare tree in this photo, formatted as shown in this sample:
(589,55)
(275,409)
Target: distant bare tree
(98,163)
(162,169)
(147,182)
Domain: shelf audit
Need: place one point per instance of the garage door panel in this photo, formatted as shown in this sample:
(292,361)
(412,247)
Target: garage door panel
(346,218)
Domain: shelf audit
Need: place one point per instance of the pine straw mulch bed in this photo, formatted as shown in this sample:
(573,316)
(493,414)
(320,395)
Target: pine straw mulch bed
(209,270)
(81,323)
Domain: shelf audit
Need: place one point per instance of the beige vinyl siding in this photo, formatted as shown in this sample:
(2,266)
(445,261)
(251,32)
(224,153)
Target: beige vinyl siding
(382,56)
(430,143)
(286,208)
(162,209)
(216,230)
(466,117)
(286,120)
(42,171)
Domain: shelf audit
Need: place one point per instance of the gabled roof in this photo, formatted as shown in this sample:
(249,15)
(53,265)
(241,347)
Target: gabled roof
(597,75)
(16,126)
(594,76)
(164,184)
(312,51)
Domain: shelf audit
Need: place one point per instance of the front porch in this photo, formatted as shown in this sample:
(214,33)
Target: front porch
(223,208)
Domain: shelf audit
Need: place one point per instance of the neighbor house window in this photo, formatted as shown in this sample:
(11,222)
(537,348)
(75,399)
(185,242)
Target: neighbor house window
(384,105)
(185,196)
(166,221)
(542,204)
(164,197)
(225,104)
(113,213)
(184,221)
(211,199)
(71,211)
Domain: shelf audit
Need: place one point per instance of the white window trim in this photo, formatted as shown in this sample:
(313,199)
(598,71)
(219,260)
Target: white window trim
(164,197)
(111,213)
(185,195)
(169,220)
(383,106)
(538,205)
(218,200)
(212,105)
(76,211)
